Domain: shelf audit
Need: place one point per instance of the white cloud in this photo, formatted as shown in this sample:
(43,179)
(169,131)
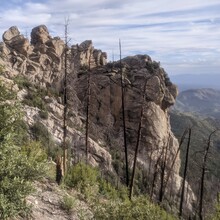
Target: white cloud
(170,31)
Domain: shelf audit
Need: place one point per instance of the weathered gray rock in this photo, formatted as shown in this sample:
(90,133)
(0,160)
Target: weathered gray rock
(40,35)
(14,40)
(57,45)
(86,56)
(46,203)
(10,33)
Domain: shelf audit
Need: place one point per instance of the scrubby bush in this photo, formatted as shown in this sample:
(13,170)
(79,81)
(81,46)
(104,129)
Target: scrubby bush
(43,114)
(81,176)
(41,134)
(18,165)
(22,82)
(90,183)
(138,208)
(68,203)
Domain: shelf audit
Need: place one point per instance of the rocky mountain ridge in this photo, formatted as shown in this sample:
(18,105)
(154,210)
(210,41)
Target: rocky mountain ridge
(42,62)
(204,102)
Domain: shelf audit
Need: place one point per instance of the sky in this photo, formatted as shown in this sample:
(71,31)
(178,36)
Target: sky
(184,36)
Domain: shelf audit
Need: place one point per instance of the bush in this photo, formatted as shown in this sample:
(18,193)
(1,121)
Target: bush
(68,203)
(18,166)
(41,134)
(34,99)
(22,82)
(139,208)
(43,114)
(81,176)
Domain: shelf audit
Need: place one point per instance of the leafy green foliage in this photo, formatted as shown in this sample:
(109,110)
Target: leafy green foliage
(139,208)
(82,177)
(106,201)
(216,215)
(68,203)
(36,94)
(89,181)
(43,114)
(33,98)
(18,165)
(22,82)
(41,134)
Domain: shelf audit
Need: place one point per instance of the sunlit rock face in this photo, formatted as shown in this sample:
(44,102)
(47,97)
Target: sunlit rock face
(44,61)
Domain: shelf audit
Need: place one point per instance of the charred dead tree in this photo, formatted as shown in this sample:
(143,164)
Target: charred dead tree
(155,174)
(175,157)
(65,98)
(123,118)
(88,110)
(185,174)
(163,171)
(204,169)
(138,142)
(59,169)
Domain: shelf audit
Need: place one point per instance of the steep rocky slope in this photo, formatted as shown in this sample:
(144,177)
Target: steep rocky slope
(44,60)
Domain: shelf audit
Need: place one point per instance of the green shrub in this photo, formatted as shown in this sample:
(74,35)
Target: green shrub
(34,99)
(81,176)
(22,82)
(41,134)
(68,203)
(43,114)
(139,208)
(18,166)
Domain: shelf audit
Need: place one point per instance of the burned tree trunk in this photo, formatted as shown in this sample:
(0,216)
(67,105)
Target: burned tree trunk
(203,175)
(123,118)
(185,174)
(175,157)
(163,171)
(87,111)
(137,143)
(65,99)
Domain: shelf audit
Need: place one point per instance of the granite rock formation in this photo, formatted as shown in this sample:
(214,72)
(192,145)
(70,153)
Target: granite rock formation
(42,61)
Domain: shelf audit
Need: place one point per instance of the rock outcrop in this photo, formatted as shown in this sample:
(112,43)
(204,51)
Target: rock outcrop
(106,113)
(42,62)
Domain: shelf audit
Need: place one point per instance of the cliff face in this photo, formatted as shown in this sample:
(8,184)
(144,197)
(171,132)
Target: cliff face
(42,61)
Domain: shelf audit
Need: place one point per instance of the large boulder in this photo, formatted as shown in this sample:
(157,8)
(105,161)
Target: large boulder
(10,33)
(56,45)
(40,35)
(13,39)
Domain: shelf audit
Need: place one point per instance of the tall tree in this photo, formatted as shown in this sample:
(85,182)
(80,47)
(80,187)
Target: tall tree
(123,117)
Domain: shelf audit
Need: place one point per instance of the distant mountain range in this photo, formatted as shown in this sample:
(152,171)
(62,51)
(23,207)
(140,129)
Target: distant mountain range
(196,81)
(205,102)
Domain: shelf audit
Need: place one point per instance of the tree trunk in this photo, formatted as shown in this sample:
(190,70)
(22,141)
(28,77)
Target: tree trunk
(185,174)
(65,100)
(137,143)
(87,112)
(163,171)
(203,175)
(123,118)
